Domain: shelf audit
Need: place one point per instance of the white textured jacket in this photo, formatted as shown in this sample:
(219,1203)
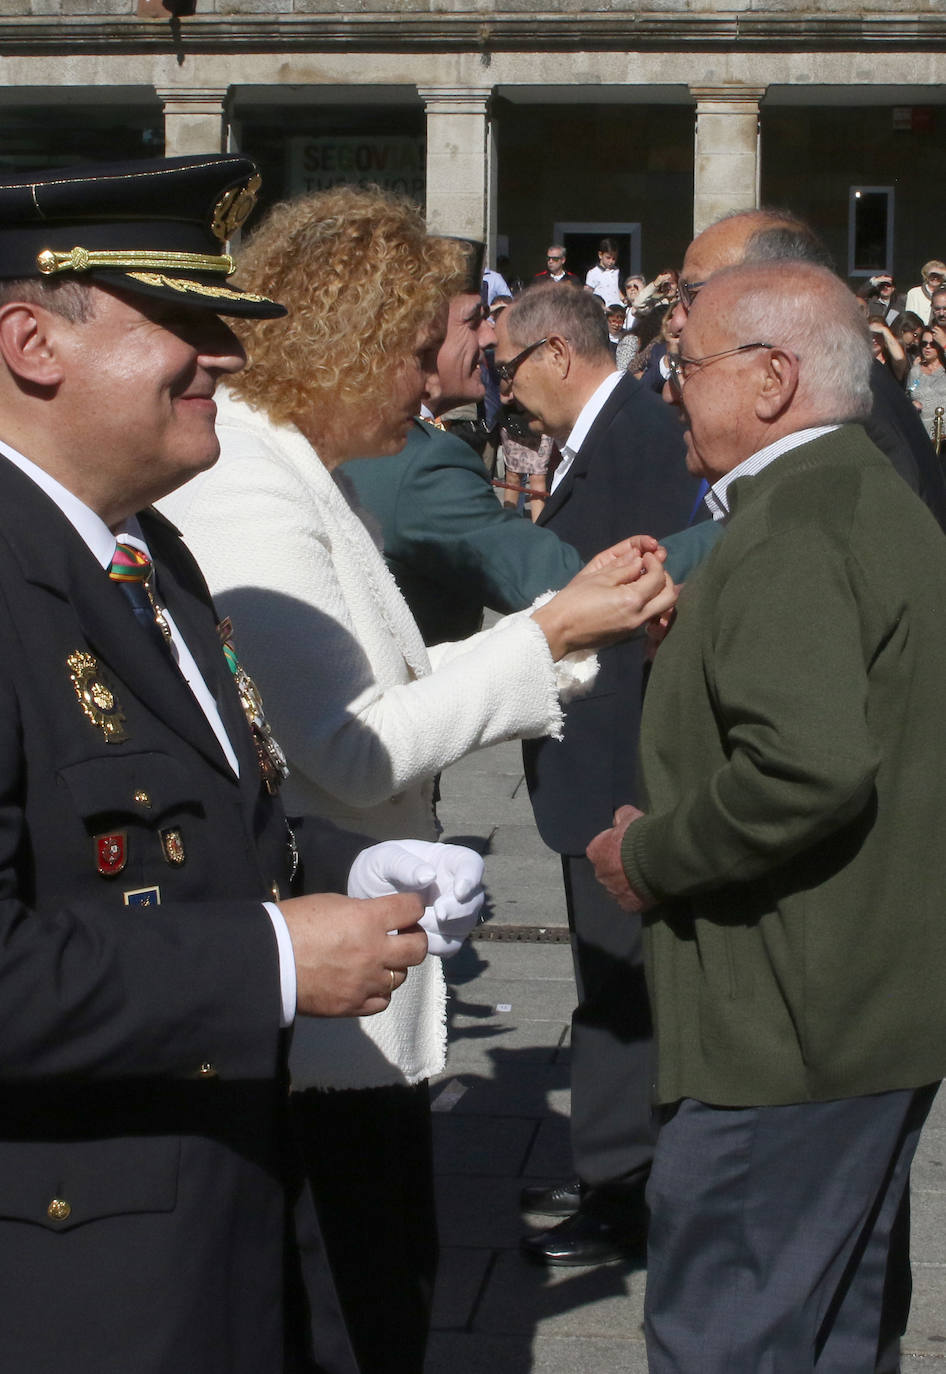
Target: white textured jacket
(366,714)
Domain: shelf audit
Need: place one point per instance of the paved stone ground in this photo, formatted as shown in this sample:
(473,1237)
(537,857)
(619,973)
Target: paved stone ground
(501,1118)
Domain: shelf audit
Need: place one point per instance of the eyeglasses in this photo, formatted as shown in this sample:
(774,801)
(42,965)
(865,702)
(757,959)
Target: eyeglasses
(555,257)
(506,371)
(687,290)
(680,367)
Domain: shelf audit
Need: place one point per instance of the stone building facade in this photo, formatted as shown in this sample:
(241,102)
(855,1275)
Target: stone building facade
(646,118)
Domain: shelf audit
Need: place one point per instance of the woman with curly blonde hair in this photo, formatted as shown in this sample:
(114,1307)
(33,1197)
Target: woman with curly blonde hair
(365,283)
(366,714)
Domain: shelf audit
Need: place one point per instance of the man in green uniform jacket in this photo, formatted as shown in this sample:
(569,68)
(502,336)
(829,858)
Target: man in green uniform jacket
(451,546)
(453,549)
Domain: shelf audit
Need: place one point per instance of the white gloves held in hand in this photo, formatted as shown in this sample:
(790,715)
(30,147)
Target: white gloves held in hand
(449,877)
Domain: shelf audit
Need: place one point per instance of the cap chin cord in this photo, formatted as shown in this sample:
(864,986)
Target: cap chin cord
(86,259)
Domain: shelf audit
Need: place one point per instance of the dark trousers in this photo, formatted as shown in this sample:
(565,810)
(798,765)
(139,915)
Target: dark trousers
(613,1125)
(773,1237)
(369,1159)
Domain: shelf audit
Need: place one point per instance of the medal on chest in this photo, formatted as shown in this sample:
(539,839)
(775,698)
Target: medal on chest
(97,696)
(272,761)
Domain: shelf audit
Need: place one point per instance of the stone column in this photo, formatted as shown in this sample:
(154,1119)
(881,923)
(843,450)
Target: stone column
(492,191)
(726,153)
(457,158)
(195,120)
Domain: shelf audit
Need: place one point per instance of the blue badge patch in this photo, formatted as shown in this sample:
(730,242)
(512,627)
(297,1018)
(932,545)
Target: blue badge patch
(142,896)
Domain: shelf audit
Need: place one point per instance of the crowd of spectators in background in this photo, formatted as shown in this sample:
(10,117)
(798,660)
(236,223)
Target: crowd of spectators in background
(908,337)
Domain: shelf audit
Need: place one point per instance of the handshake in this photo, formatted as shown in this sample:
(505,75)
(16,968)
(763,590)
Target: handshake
(412,898)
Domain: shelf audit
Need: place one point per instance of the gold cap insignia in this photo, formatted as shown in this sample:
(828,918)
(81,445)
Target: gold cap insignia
(234,208)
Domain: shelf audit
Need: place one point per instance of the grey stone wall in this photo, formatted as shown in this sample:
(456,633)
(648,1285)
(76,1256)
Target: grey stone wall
(804,9)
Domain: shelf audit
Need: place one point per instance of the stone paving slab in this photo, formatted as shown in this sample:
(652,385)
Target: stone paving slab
(473,1040)
(530,887)
(542,960)
(485,1214)
(550,1154)
(482,1145)
(518,837)
(497,761)
(928,1227)
(455,1353)
(517,1089)
(479,804)
(510,1003)
(521,1297)
(926,1330)
(460,1279)
(929,1169)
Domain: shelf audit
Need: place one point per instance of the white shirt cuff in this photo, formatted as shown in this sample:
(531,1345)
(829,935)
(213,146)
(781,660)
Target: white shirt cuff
(287,964)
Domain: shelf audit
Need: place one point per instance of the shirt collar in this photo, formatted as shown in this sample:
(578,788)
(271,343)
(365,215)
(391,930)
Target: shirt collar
(91,528)
(589,413)
(717,500)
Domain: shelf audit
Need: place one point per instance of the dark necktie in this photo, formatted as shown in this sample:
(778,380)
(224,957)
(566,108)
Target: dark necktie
(134,573)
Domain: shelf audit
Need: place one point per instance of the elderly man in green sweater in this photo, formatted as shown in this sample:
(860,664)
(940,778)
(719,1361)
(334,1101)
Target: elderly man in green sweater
(791,859)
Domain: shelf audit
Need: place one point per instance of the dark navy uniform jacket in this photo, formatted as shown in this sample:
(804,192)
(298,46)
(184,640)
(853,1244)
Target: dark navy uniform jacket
(144,1157)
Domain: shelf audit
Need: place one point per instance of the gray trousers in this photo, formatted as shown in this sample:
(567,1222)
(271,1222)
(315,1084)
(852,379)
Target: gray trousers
(770,1247)
(613,1124)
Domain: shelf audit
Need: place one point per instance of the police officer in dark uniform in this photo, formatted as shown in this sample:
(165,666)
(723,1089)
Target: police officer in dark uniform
(152,950)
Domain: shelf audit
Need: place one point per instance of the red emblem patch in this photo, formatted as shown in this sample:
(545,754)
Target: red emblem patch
(110,853)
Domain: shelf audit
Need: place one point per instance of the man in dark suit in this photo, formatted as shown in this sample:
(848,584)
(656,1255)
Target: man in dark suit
(622,471)
(152,953)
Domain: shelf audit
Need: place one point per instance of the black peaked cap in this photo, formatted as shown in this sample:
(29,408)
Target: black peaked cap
(155,227)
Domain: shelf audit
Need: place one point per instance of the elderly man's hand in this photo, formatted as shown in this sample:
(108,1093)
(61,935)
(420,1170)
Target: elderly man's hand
(659,628)
(604,851)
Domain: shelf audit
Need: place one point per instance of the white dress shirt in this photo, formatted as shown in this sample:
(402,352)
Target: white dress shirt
(100,541)
(586,418)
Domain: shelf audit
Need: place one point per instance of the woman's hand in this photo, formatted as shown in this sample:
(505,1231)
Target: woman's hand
(603,605)
(623,552)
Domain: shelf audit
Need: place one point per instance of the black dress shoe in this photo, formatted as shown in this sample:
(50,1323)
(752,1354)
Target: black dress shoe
(583,1240)
(563,1200)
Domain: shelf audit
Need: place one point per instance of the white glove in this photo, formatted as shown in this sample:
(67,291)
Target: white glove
(449,877)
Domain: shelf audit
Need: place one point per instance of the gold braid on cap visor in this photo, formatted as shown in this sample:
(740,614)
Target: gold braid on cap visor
(85,259)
